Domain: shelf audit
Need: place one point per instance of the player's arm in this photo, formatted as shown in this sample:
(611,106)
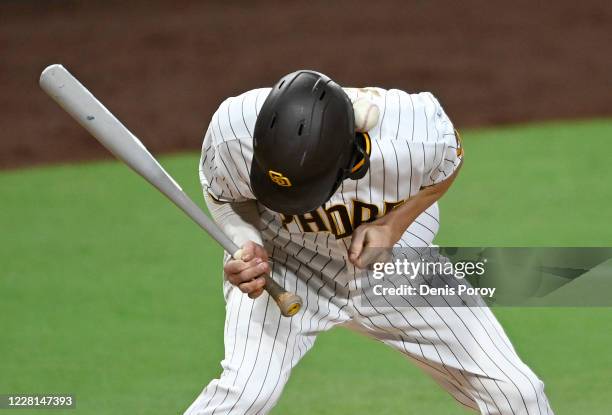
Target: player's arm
(231,205)
(385,231)
(238,220)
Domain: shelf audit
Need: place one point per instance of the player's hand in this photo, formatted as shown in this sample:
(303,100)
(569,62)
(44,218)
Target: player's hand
(371,242)
(247,273)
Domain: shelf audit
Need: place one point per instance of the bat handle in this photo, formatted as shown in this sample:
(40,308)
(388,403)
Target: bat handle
(288,303)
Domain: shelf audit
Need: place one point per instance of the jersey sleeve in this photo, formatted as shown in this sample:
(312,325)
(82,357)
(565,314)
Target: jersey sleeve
(224,168)
(443,149)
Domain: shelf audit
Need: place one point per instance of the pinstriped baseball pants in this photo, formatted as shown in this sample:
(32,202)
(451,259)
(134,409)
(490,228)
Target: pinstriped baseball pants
(464,349)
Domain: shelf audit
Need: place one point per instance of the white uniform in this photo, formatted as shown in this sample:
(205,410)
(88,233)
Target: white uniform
(463,348)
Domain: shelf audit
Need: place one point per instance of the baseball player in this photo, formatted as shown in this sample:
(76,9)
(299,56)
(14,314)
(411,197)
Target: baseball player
(304,185)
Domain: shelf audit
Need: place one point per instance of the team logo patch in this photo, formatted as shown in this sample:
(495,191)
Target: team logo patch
(279,179)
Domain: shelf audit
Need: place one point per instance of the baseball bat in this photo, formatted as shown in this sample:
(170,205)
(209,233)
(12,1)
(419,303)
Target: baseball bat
(77,101)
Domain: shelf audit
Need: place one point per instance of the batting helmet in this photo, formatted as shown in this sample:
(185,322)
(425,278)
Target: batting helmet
(305,144)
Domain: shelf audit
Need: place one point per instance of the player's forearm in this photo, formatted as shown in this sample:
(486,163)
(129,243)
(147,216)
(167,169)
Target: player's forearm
(400,218)
(238,220)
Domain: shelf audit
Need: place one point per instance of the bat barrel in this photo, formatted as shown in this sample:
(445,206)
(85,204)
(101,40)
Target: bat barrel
(85,108)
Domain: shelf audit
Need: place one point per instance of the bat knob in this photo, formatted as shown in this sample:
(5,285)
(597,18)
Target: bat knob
(289,304)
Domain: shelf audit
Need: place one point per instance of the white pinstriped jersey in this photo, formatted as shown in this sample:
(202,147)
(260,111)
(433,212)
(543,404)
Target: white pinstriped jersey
(413,146)
(464,349)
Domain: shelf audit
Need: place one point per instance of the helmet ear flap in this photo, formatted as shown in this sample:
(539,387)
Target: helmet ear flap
(360,162)
(361,171)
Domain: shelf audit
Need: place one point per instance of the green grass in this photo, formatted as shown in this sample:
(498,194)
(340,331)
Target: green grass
(107,291)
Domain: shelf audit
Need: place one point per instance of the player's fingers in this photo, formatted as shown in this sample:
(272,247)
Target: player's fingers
(260,252)
(247,251)
(371,255)
(249,274)
(251,286)
(234,266)
(357,242)
(363,260)
(357,262)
